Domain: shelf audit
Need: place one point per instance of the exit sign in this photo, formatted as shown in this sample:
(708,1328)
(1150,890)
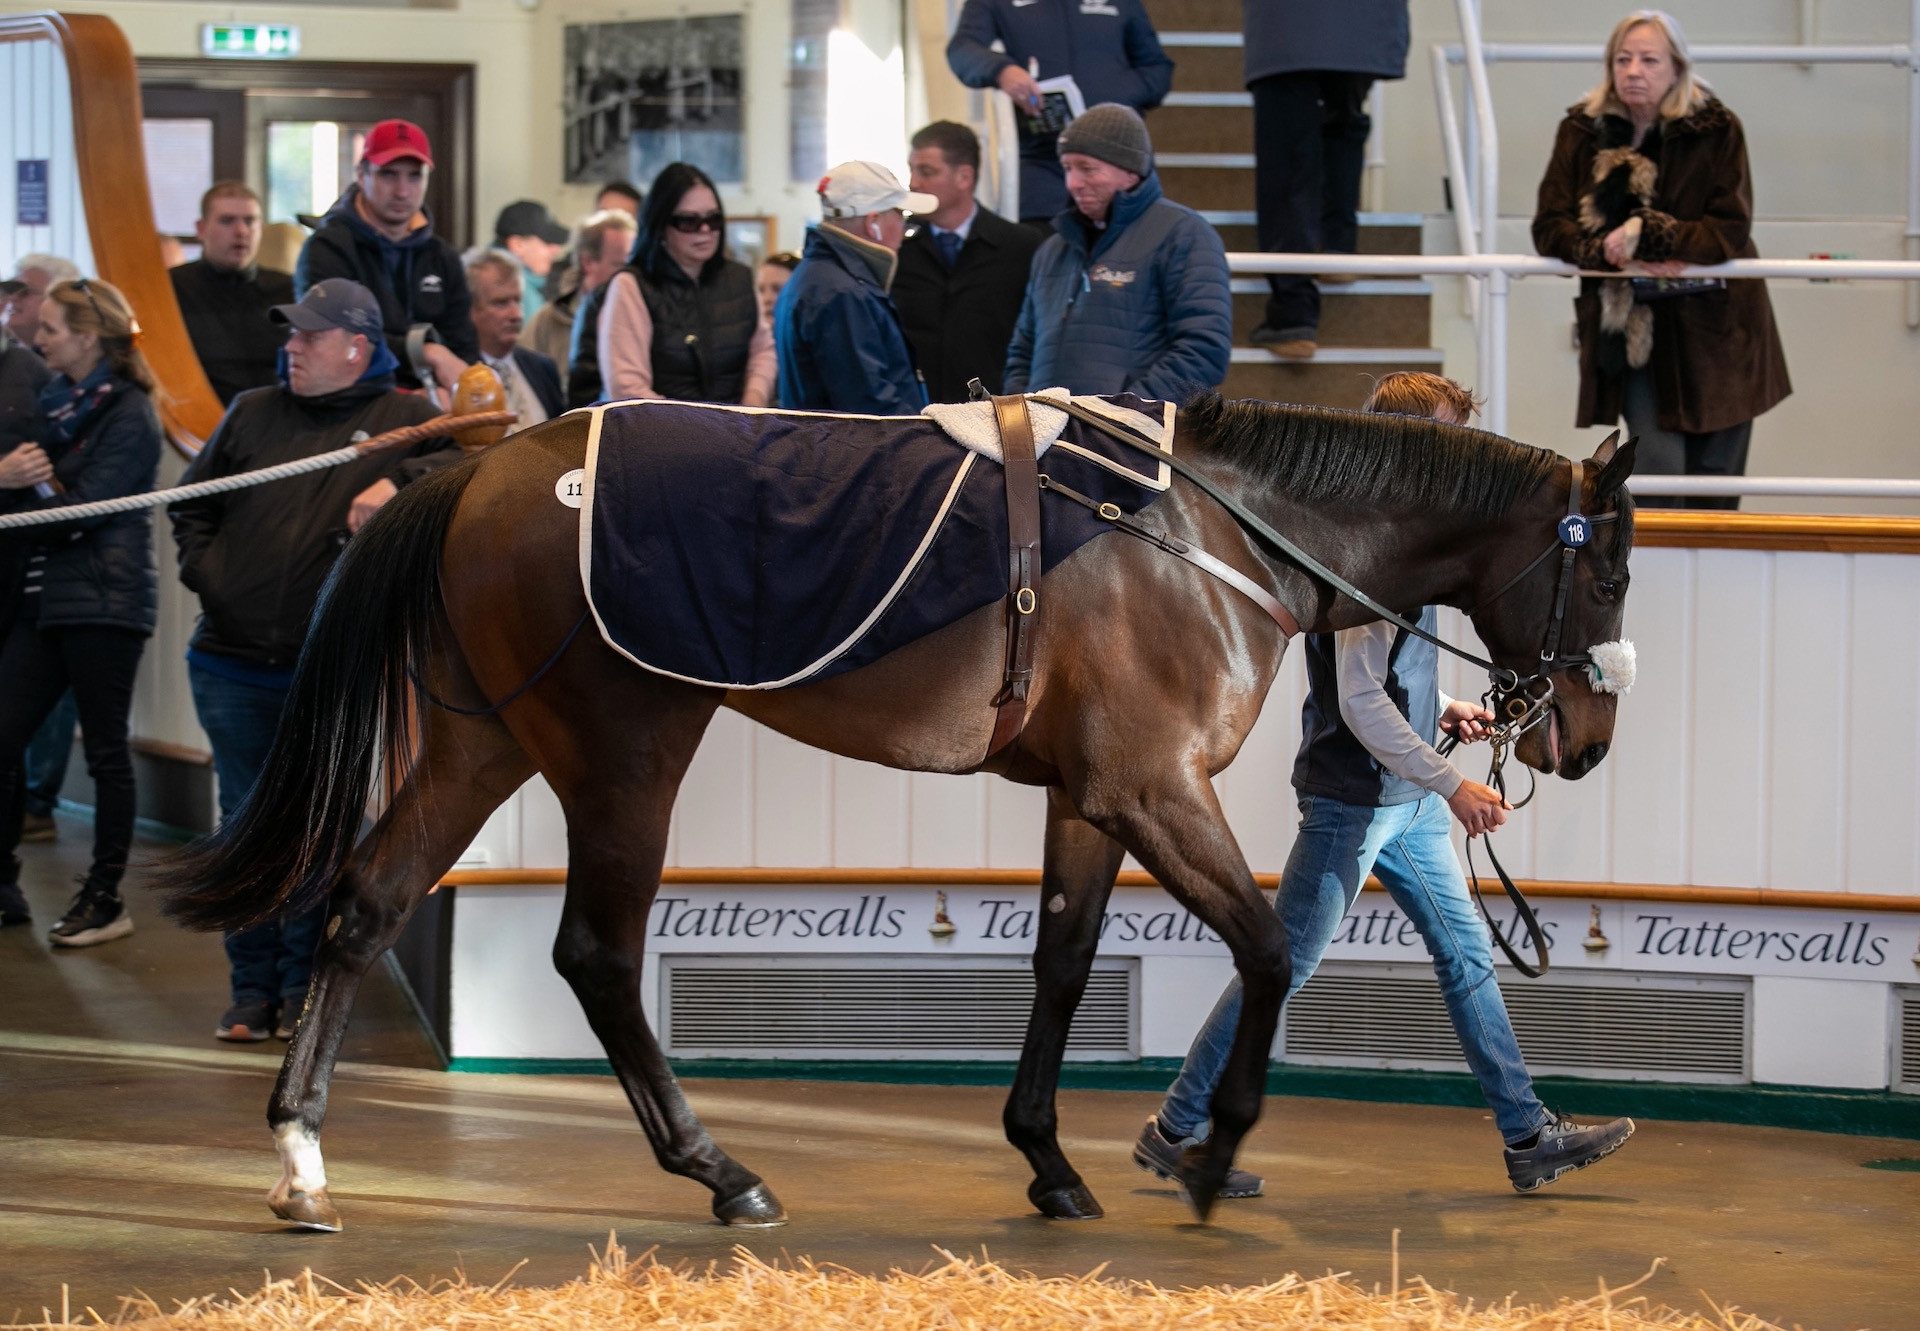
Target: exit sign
(250,41)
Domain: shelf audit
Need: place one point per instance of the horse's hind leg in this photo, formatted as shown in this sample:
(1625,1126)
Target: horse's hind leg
(1080,866)
(617,820)
(465,769)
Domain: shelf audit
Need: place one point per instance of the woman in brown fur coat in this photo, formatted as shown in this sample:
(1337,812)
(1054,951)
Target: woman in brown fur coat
(1648,174)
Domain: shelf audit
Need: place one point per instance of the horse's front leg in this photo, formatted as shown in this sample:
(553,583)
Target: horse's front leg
(466,769)
(1173,825)
(1080,866)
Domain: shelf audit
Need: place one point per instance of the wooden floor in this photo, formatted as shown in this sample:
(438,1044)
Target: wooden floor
(134,1155)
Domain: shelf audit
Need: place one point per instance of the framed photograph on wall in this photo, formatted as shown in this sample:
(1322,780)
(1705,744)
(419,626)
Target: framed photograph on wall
(641,95)
(752,238)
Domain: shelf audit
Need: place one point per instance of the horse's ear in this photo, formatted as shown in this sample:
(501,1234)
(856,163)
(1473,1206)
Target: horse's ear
(1616,464)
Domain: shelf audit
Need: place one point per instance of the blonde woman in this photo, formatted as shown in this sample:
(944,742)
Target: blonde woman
(80,604)
(1649,173)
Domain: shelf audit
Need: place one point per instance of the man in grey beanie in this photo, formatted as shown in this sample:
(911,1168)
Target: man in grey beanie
(1131,294)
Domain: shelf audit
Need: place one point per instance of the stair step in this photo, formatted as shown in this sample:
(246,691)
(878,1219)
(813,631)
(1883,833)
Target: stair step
(1348,319)
(1206,69)
(1203,15)
(1337,377)
(1184,131)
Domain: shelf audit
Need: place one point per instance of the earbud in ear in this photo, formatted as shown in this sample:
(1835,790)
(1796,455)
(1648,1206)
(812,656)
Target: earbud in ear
(873,229)
(353,353)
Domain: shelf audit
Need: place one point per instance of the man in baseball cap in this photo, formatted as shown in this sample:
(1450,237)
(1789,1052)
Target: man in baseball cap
(527,231)
(380,235)
(257,559)
(836,330)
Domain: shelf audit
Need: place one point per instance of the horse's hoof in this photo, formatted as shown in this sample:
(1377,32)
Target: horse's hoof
(756,1208)
(1070,1203)
(307,1210)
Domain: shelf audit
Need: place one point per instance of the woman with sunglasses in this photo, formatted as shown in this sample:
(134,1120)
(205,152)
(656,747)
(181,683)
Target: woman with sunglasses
(80,614)
(681,320)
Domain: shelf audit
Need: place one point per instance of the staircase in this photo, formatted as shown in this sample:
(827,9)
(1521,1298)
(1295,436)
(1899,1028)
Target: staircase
(1203,147)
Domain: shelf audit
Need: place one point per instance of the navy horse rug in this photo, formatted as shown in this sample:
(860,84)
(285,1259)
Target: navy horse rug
(753,548)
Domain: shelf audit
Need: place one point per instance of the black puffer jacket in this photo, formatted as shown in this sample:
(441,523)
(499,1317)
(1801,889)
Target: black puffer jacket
(100,571)
(257,557)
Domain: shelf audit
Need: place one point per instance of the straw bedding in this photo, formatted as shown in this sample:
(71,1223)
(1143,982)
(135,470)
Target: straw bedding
(952,1293)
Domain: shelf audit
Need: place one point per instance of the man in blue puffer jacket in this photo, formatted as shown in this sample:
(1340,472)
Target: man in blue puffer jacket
(1131,295)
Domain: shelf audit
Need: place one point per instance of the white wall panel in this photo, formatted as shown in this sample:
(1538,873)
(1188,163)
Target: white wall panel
(1819,1032)
(715,814)
(1651,759)
(793,798)
(1880,662)
(1729,676)
(1807,717)
(947,818)
(869,814)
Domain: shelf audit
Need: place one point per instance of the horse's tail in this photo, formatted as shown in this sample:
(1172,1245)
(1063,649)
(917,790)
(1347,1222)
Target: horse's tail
(372,637)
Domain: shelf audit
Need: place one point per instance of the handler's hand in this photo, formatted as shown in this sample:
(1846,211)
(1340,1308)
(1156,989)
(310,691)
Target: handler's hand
(1479,808)
(1467,722)
(1016,83)
(368,502)
(25,466)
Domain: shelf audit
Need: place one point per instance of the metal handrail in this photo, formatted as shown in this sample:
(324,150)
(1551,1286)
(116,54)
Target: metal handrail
(1501,270)
(1482,156)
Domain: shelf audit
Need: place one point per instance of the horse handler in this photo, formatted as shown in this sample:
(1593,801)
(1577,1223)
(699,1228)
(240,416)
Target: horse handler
(257,558)
(1374,796)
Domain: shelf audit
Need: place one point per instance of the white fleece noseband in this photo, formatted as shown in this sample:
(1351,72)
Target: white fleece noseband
(1613,666)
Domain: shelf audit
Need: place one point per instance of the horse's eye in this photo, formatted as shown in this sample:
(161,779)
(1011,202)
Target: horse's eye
(1609,588)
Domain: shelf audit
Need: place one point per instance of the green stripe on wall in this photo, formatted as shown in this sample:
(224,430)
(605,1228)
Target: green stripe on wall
(1862,1113)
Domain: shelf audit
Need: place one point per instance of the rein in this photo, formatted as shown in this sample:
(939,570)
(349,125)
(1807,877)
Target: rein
(1526,701)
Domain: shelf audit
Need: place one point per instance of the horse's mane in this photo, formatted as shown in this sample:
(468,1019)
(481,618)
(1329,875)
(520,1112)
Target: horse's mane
(1318,454)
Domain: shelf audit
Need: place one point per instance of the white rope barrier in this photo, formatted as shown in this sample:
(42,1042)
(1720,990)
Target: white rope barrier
(101,508)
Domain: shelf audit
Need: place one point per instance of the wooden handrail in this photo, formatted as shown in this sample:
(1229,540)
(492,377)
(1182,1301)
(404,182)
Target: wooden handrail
(808,876)
(110,163)
(1831,533)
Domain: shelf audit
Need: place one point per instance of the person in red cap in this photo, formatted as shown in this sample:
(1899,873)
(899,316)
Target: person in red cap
(379,235)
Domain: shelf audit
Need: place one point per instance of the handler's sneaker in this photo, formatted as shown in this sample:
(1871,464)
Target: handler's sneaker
(97,915)
(13,905)
(1155,1154)
(1561,1147)
(246,1023)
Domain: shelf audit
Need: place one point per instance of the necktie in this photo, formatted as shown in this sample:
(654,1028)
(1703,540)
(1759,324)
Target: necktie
(949,243)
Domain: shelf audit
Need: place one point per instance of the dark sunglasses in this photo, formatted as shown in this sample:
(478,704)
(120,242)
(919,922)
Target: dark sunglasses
(86,289)
(688,224)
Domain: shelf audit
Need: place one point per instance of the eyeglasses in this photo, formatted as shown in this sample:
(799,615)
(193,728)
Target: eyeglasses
(86,289)
(688,224)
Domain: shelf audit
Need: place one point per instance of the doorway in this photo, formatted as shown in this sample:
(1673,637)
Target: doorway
(293,131)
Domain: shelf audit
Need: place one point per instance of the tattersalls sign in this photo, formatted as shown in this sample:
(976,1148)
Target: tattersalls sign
(1612,935)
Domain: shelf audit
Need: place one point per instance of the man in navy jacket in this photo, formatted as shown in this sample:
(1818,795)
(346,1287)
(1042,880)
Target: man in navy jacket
(1132,294)
(837,332)
(1107,46)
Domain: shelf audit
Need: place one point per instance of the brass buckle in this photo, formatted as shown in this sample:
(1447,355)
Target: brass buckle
(1111,512)
(1024,601)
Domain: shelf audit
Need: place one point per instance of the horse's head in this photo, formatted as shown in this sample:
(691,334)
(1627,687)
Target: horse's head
(1550,609)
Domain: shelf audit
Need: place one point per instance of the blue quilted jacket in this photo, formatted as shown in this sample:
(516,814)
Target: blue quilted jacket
(1140,307)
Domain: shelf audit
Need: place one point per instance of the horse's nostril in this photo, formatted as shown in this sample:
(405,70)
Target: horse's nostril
(1592,754)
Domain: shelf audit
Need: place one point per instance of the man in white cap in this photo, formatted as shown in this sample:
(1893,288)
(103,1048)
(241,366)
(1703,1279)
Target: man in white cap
(839,336)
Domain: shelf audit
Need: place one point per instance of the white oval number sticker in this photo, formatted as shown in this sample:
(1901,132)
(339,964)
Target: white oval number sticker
(571,488)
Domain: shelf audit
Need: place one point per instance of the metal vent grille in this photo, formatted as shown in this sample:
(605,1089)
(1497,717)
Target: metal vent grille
(798,1007)
(1665,1027)
(1907,1054)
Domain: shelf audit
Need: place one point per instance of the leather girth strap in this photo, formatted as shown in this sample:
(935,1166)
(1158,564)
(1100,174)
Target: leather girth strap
(1022,476)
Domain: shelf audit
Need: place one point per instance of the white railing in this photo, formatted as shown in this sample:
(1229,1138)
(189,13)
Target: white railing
(1499,271)
(1476,205)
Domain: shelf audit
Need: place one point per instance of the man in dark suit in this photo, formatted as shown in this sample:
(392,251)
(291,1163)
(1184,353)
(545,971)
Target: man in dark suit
(532,380)
(963,272)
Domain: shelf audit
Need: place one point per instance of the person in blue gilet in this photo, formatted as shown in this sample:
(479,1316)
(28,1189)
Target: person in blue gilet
(1376,797)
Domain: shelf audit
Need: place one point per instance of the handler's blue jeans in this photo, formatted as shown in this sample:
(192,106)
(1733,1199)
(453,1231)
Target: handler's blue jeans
(1409,847)
(271,962)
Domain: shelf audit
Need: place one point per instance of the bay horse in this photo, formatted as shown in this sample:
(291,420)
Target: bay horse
(1148,676)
